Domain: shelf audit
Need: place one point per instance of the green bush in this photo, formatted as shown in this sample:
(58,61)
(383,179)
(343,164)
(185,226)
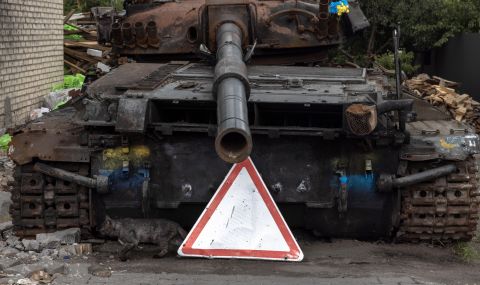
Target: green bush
(466,252)
(387,60)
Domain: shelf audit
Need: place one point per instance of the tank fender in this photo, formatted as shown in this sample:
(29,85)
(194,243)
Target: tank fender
(53,137)
(455,147)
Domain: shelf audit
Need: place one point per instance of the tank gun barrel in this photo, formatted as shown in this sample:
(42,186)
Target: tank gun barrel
(231,88)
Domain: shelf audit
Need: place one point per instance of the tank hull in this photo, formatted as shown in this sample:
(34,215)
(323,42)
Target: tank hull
(302,174)
(149,130)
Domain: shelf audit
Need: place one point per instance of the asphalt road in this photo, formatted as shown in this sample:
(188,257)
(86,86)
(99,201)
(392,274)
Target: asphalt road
(337,262)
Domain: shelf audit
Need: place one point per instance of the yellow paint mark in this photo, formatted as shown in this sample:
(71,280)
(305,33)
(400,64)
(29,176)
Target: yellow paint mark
(114,158)
(140,151)
(446,145)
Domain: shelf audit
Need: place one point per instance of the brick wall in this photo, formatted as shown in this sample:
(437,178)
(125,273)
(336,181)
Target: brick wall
(31,53)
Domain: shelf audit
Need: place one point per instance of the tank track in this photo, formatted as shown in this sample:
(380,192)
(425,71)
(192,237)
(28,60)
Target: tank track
(443,210)
(45,204)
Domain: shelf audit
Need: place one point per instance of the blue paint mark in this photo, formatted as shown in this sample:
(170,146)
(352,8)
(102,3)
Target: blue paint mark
(355,182)
(359,182)
(122,182)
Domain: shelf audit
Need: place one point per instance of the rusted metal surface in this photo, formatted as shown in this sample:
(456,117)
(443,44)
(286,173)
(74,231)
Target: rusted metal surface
(443,210)
(445,139)
(53,138)
(390,182)
(322,136)
(179,28)
(46,204)
(141,34)
(100,182)
(131,116)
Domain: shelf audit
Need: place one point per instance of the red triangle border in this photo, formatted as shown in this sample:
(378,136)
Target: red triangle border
(295,252)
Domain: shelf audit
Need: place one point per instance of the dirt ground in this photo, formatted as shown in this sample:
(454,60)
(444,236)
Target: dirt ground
(335,262)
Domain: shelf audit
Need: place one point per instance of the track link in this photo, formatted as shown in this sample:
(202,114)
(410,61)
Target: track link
(443,210)
(46,204)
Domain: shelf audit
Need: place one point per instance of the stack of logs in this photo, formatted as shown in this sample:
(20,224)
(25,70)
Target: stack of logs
(83,53)
(440,92)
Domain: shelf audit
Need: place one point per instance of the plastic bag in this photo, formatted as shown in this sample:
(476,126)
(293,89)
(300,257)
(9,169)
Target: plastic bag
(4,141)
(73,37)
(70,81)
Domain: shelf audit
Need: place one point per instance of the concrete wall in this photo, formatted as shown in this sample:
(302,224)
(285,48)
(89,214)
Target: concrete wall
(31,54)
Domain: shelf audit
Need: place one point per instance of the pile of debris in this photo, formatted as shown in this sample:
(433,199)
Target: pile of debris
(441,92)
(82,53)
(38,260)
(6,171)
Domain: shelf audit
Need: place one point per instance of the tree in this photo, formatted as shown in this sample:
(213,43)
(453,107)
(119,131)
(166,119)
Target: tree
(425,23)
(86,5)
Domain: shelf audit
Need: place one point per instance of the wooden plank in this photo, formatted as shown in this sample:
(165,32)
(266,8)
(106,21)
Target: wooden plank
(85,44)
(81,29)
(80,55)
(75,66)
(446,82)
(65,32)
(68,16)
(462,98)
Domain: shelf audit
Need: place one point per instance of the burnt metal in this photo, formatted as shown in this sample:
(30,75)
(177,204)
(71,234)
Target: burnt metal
(395,105)
(231,87)
(154,79)
(269,22)
(131,115)
(292,11)
(47,204)
(128,35)
(101,183)
(325,139)
(442,210)
(152,35)
(387,183)
(104,16)
(323,15)
(141,35)
(333,26)
(116,35)
(54,138)
(403,106)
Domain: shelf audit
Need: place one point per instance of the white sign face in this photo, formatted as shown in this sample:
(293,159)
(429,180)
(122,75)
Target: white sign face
(242,221)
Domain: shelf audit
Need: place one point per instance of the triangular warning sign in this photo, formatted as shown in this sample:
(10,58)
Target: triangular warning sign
(242,221)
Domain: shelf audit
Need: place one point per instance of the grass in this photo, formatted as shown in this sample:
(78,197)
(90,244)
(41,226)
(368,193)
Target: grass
(466,252)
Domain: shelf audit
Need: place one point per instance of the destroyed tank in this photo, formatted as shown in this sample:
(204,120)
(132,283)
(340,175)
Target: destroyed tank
(212,82)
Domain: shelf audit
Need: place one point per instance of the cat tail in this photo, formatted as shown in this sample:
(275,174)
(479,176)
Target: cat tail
(182,232)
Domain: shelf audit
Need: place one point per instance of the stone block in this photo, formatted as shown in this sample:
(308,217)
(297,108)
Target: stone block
(53,240)
(31,245)
(5,202)
(26,270)
(8,262)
